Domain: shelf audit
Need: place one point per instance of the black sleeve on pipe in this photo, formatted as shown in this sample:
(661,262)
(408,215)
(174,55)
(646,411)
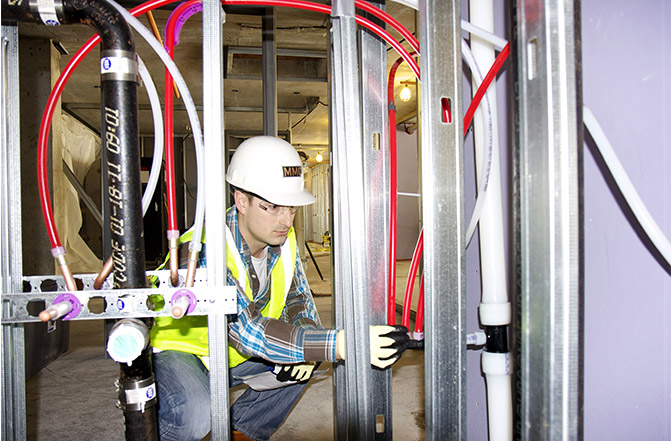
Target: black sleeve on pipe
(497,339)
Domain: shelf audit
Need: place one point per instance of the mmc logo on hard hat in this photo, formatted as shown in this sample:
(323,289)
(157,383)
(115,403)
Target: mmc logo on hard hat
(292,171)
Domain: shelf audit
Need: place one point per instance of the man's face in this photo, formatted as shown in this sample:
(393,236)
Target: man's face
(258,225)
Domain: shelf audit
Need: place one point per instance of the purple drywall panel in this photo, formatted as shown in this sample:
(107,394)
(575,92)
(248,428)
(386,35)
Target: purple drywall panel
(627,356)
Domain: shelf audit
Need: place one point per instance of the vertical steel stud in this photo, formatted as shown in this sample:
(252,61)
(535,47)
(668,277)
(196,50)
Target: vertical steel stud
(349,245)
(11,269)
(548,164)
(443,216)
(376,182)
(213,133)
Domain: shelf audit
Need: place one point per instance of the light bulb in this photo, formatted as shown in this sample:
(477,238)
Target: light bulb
(319,157)
(405,93)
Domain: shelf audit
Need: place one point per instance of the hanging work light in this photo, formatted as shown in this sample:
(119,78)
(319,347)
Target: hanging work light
(405,94)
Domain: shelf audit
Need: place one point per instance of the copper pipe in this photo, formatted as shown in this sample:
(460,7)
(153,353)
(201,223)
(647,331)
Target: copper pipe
(104,273)
(157,34)
(174,261)
(67,274)
(191,268)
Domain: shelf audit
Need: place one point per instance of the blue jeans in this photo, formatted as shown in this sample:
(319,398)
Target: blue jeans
(183,391)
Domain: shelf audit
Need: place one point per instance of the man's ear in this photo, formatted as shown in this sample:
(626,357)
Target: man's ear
(241,201)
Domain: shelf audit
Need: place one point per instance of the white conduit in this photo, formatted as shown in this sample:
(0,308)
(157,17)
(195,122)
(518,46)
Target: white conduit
(495,309)
(623,182)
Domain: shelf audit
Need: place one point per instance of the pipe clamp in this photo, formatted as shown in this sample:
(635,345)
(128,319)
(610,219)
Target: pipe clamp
(118,65)
(48,10)
(137,395)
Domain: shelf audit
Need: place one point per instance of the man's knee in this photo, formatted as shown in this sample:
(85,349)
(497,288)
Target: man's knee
(183,397)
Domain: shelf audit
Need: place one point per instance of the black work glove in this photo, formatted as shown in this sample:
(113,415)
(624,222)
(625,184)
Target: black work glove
(296,372)
(387,343)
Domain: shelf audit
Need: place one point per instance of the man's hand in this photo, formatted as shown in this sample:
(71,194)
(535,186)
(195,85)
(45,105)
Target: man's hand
(387,343)
(296,372)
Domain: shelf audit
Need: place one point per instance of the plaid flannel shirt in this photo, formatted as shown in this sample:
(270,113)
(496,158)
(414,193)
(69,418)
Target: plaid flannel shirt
(298,336)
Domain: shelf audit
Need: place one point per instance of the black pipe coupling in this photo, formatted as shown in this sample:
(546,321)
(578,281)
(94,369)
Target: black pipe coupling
(136,395)
(497,339)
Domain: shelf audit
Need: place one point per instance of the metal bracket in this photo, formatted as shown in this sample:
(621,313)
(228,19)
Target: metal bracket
(118,303)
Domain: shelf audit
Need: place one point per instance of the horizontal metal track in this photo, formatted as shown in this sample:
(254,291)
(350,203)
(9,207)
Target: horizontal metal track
(118,303)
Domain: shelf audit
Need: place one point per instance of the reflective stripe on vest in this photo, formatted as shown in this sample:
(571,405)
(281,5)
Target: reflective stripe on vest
(189,334)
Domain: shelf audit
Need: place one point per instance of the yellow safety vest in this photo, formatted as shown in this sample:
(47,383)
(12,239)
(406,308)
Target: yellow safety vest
(189,334)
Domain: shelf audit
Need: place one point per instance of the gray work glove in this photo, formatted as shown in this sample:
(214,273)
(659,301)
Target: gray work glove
(387,343)
(296,372)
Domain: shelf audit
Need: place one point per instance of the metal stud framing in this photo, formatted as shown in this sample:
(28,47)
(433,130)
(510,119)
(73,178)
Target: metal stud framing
(376,181)
(213,133)
(443,216)
(547,214)
(354,410)
(547,206)
(13,343)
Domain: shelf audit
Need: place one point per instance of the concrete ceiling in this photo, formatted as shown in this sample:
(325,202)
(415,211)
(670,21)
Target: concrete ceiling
(302,88)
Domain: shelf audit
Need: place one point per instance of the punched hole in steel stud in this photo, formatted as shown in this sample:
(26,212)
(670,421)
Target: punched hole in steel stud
(97,305)
(446,107)
(155,302)
(34,307)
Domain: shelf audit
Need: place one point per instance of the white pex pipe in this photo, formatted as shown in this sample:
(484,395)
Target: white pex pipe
(495,307)
(634,201)
(491,232)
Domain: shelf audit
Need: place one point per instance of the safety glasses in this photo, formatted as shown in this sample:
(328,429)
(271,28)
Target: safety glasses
(270,208)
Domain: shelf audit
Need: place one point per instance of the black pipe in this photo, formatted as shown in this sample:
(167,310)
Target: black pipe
(120,138)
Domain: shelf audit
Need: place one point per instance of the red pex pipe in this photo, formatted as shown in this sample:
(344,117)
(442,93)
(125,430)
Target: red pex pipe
(45,125)
(410,285)
(393,196)
(393,202)
(391,21)
(301,4)
(169,38)
(419,318)
(88,46)
(480,93)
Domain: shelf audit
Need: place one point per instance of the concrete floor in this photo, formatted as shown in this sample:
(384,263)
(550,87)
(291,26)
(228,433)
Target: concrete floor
(74,397)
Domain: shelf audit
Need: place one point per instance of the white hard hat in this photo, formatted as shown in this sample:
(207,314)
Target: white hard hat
(270,168)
